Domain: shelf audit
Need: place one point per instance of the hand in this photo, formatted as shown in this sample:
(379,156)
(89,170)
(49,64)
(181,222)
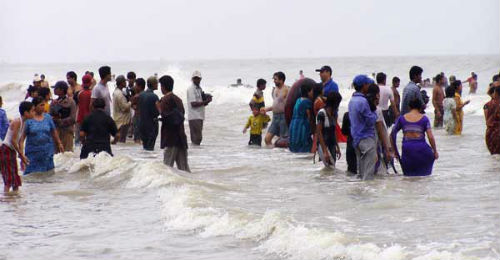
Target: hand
(388,156)
(338,152)
(244,130)
(436,155)
(466,102)
(326,156)
(61,148)
(24,159)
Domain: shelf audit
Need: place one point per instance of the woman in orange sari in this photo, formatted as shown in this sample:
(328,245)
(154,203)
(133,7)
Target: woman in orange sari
(492,116)
(457,84)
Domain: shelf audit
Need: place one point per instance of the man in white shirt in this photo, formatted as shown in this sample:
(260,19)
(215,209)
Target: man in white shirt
(102,90)
(386,96)
(197,100)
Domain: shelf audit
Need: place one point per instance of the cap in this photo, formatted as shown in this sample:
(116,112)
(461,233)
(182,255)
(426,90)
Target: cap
(37,78)
(61,84)
(86,80)
(360,80)
(196,74)
(120,79)
(325,68)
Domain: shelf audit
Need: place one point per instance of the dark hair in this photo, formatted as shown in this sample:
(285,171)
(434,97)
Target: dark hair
(141,83)
(381,78)
(72,75)
(167,82)
(104,71)
(333,100)
(415,71)
(455,84)
(495,77)
(37,101)
(304,90)
(373,89)
(450,91)
(415,104)
(317,90)
(32,89)
(497,90)
(43,92)
(131,75)
(25,106)
(395,79)
(99,103)
(280,75)
(261,82)
(438,78)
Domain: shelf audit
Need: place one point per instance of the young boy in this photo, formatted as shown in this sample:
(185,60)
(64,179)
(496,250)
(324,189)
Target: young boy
(258,97)
(256,122)
(4,122)
(11,147)
(326,121)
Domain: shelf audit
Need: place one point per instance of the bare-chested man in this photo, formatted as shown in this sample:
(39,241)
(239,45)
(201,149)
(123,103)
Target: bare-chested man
(278,126)
(74,87)
(437,101)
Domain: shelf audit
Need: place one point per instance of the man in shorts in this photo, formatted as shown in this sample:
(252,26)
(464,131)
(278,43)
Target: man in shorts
(278,124)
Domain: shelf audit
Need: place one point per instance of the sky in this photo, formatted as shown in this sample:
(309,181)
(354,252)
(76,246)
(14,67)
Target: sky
(36,31)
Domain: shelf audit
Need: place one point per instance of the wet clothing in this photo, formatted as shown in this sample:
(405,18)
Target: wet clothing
(149,118)
(328,130)
(366,158)
(121,109)
(196,131)
(172,135)
(410,92)
(362,118)
(258,100)
(98,128)
(255,140)
(4,123)
(437,101)
(63,110)
(492,110)
(256,124)
(300,127)
(195,94)
(178,155)
(329,87)
(417,156)
(349,150)
(8,167)
(136,117)
(102,91)
(39,144)
(449,121)
(460,114)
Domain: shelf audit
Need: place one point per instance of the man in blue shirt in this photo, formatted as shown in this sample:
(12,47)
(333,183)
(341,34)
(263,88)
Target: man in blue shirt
(412,90)
(363,118)
(325,73)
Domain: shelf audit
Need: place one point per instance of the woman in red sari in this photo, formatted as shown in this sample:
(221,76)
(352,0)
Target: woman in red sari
(492,116)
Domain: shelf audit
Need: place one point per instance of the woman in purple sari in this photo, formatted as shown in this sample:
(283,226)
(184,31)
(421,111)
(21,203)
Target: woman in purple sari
(418,157)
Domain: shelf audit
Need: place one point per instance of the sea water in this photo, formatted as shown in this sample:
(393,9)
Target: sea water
(250,203)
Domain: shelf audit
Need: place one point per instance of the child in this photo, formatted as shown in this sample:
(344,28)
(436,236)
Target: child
(11,147)
(450,110)
(4,122)
(258,97)
(326,121)
(256,123)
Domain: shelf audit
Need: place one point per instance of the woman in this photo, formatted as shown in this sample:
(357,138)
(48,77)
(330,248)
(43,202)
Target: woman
(301,124)
(40,134)
(450,110)
(418,157)
(457,84)
(492,116)
(328,147)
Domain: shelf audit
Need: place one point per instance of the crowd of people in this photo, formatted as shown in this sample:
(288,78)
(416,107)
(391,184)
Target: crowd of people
(304,118)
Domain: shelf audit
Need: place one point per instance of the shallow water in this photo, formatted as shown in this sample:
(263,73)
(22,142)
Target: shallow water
(248,203)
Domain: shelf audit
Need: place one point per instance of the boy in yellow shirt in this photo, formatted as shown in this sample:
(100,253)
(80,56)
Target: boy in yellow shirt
(257,121)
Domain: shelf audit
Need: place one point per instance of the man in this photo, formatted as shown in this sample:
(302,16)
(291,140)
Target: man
(149,114)
(121,110)
(129,91)
(386,99)
(44,83)
(412,90)
(437,101)
(63,112)
(74,87)
(101,90)
(84,98)
(397,98)
(197,100)
(472,81)
(325,73)
(140,85)
(278,126)
(173,136)
(96,130)
(363,117)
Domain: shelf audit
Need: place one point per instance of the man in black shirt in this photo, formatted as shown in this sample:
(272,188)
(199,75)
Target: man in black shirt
(96,130)
(148,113)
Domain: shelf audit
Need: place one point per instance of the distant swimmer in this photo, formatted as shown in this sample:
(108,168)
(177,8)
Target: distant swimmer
(239,83)
(301,74)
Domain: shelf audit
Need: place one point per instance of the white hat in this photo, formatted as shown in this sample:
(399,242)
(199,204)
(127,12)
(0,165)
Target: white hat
(196,74)
(37,78)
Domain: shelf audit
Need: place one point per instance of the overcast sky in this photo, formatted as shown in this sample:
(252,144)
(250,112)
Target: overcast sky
(99,30)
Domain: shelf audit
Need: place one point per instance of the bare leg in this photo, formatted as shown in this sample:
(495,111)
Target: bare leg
(269,139)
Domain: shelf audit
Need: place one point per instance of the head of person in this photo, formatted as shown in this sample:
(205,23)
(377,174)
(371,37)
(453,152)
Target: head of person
(415,104)
(86,81)
(496,93)
(238,81)
(71,78)
(37,81)
(333,101)
(306,91)
(261,84)
(325,73)
(44,93)
(33,91)
(39,105)
(105,73)
(140,85)
(317,90)
(99,104)
(279,79)
(42,77)
(1,101)
(121,82)
(167,84)
(361,83)
(452,79)
(457,85)
(61,88)
(301,72)
(495,78)
(27,109)
(255,111)
(196,78)
(439,79)
(373,93)
(152,83)
(381,78)
(416,74)
(395,82)
(131,78)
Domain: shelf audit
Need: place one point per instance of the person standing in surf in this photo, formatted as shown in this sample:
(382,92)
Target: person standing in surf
(387,101)
(256,122)
(492,116)
(363,117)
(278,126)
(457,85)
(257,100)
(63,112)
(412,90)
(450,111)
(140,85)
(11,148)
(4,121)
(149,114)
(121,110)
(301,125)
(197,101)
(437,101)
(101,90)
(328,147)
